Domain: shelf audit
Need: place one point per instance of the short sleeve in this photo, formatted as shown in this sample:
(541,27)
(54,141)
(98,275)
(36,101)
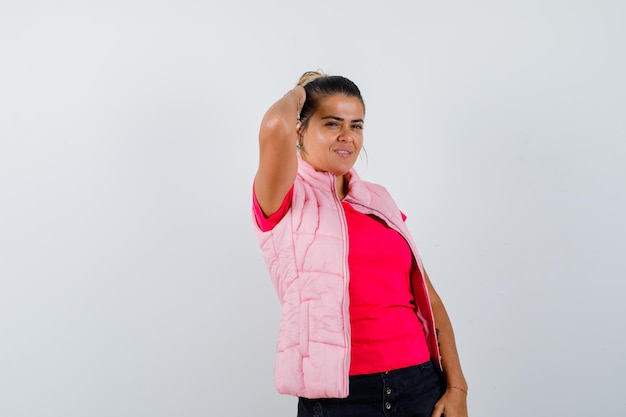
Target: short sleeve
(268,223)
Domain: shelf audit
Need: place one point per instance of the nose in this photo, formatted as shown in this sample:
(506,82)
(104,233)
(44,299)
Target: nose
(345,136)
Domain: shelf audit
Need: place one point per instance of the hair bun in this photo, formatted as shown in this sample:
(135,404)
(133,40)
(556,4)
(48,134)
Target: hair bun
(311,76)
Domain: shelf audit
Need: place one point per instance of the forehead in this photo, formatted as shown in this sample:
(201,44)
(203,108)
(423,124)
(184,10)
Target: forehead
(340,105)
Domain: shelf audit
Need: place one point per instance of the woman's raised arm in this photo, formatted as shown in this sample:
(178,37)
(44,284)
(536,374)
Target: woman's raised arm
(278,161)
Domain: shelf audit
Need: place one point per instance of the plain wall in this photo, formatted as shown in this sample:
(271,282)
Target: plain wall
(131,283)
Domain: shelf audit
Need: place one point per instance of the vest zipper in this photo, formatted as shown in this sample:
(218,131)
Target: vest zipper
(346,293)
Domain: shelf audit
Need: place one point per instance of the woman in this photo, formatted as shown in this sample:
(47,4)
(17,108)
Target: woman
(357,334)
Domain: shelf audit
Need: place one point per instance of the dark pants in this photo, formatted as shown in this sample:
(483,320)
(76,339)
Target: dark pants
(406,392)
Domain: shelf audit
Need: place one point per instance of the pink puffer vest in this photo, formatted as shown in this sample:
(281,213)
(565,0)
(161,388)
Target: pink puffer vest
(307,257)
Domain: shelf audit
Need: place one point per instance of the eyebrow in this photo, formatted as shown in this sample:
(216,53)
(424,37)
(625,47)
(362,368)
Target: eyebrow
(340,119)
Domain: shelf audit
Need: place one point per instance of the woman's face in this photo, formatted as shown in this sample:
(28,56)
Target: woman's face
(334,136)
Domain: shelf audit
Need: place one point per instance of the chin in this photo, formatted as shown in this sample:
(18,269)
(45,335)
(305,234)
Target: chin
(340,172)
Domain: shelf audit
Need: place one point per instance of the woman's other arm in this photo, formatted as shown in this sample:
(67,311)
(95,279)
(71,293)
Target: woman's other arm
(454,401)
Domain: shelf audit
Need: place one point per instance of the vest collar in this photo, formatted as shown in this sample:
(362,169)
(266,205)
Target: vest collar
(325,180)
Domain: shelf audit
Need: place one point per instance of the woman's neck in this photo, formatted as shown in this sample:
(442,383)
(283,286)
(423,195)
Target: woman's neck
(341,185)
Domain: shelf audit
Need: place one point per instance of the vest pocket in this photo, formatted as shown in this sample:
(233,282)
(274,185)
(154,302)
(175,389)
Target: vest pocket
(304,328)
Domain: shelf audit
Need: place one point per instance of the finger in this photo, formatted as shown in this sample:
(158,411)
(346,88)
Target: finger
(438,410)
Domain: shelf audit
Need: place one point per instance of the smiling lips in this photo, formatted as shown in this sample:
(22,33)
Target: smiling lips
(343,152)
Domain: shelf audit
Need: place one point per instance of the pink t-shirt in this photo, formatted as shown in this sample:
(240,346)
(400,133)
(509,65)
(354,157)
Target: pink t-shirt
(386,332)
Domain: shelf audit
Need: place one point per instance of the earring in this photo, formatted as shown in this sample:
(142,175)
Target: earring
(299,139)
